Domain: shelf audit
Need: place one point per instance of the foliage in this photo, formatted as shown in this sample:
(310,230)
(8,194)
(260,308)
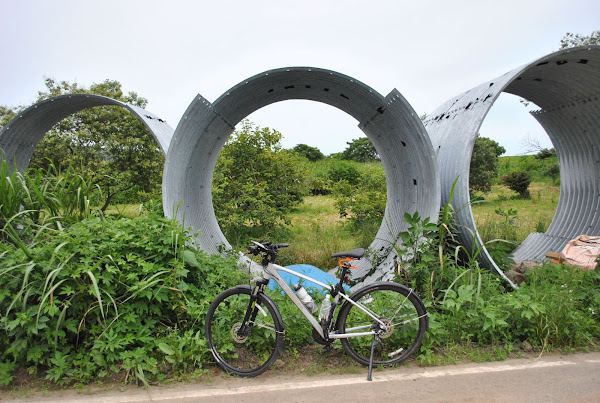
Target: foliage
(558,306)
(256,184)
(545,153)
(7,113)
(310,153)
(518,181)
(343,171)
(571,40)
(425,257)
(540,169)
(360,150)
(360,193)
(42,200)
(484,163)
(107,144)
(108,295)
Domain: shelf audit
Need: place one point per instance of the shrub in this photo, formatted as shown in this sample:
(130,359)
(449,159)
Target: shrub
(518,181)
(256,184)
(108,295)
(343,171)
(360,193)
(545,153)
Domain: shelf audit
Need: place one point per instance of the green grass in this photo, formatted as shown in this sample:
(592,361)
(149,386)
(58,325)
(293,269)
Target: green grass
(317,231)
(125,210)
(537,168)
(533,215)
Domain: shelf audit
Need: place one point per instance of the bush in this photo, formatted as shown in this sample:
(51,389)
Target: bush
(343,171)
(558,306)
(518,181)
(109,295)
(256,184)
(360,194)
(43,200)
(545,153)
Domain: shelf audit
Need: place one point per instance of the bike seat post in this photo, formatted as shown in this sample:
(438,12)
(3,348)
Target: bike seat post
(345,269)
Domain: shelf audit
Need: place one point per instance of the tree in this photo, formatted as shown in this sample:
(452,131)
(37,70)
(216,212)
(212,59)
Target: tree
(7,113)
(484,163)
(256,184)
(571,40)
(107,144)
(360,150)
(311,153)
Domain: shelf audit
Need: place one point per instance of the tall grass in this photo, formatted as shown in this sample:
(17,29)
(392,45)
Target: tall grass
(42,200)
(504,215)
(317,231)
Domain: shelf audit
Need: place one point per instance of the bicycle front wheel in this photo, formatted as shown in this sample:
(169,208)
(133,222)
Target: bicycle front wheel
(403,314)
(244,339)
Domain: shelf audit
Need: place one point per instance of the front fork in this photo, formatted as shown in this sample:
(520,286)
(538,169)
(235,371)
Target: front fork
(252,310)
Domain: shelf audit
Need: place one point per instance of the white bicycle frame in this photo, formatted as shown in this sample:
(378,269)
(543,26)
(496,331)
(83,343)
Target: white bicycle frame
(272,272)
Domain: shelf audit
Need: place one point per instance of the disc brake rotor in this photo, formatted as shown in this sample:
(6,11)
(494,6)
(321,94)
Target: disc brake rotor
(390,328)
(234,333)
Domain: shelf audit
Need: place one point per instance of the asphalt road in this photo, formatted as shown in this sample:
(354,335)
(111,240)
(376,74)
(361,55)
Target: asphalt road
(569,378)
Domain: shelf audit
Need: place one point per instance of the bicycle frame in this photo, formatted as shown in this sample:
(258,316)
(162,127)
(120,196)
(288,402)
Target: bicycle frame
(272,272)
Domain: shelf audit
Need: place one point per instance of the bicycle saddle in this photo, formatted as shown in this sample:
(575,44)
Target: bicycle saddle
(354,253)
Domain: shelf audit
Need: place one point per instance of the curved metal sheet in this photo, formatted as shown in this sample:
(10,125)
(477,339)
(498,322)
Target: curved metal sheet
(20,136)
(390,123)
(566,86)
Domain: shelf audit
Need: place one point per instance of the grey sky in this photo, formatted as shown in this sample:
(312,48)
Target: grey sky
(168,51)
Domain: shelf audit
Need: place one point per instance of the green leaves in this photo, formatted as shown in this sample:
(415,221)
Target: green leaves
(96,297)
(360,150)
(360,194)
(108,144)
(256,184)
(484,163)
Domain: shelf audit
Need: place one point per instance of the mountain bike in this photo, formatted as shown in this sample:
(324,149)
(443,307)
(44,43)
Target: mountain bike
(378,325)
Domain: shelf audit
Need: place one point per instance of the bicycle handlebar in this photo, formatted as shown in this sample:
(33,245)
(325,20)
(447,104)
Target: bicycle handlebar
(267,247)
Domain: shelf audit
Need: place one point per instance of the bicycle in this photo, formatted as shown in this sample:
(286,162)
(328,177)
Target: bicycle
(378,325)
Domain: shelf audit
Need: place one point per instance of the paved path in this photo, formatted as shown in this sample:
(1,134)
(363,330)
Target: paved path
(548,379)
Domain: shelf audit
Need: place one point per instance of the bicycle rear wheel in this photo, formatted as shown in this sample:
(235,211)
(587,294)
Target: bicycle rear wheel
(244,348)
(399,308)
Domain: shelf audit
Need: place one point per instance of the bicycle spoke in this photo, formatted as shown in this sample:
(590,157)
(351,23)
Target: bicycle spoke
(244,349)
(403,323)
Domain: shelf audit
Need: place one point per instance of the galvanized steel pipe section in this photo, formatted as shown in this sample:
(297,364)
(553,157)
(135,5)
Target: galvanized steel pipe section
(390,123)
(566,86)
(20,136)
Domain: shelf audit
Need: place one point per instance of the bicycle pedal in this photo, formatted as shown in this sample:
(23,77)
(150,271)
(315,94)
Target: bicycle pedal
(327,348)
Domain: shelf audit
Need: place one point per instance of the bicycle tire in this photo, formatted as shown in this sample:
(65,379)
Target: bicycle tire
(251,354)
(397,306)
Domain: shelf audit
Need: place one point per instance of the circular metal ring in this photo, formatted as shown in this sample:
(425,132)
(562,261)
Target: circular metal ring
(566,87)
(20,136)
(389,122)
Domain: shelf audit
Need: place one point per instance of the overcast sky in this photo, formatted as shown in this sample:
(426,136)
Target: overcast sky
(169,51)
